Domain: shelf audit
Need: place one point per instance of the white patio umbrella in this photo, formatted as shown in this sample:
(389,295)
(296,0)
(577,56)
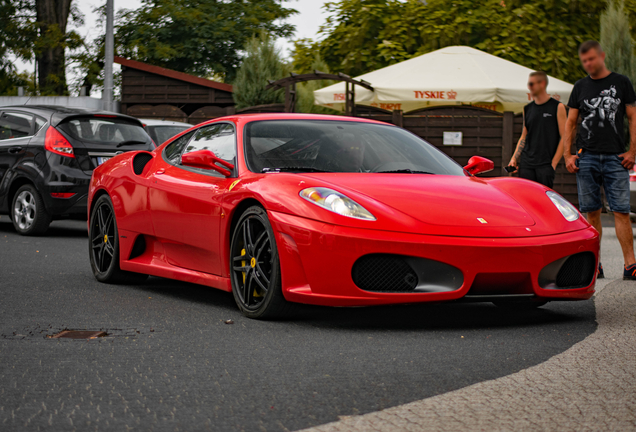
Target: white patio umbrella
(457,75)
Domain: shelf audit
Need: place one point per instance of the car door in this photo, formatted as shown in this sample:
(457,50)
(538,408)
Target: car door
(16,130)
(185,202)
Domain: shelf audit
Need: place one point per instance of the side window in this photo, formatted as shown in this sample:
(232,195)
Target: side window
(173,151)
(219,139)
(15,125)
(39,122)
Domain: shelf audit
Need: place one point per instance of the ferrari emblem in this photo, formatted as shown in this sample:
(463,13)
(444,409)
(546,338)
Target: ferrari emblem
(234,183)
(105,238)
(253,262)
(482,220)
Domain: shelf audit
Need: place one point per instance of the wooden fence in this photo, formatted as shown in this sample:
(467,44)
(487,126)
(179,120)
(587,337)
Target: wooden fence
(484,133)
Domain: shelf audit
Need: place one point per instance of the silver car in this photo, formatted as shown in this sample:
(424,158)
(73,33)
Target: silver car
(162,130)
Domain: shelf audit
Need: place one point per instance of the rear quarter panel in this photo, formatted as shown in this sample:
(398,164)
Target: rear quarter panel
(128,192)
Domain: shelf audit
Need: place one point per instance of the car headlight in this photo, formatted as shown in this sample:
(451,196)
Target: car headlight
(336,202)
(568,211)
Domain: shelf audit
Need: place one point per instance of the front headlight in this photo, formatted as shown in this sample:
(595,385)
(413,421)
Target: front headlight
(568,211)
(336,202)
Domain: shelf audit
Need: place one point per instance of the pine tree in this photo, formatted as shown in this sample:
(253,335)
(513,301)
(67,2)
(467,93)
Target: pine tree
(306,101)
(616,39)
(262,62)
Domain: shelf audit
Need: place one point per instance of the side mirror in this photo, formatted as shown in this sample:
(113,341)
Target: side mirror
(478,164)
(206,159)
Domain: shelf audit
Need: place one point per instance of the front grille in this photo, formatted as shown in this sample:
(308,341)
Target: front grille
(577,271)
(384,273)
(139,162)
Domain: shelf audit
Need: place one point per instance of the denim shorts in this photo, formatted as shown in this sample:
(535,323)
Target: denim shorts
(596,170)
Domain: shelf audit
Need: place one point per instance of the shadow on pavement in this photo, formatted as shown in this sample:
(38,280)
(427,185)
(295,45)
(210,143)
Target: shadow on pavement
(451,316)
(62,228)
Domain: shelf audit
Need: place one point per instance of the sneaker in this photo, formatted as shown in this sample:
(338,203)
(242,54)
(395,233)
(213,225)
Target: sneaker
(601,273)
(630,272)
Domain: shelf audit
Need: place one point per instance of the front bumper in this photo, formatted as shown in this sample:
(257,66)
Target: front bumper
(317,260)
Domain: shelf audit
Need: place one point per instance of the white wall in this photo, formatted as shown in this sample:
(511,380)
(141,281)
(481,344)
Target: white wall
(86,102)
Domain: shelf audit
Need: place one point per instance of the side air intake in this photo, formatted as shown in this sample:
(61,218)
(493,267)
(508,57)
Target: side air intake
(571,272)
(140,161)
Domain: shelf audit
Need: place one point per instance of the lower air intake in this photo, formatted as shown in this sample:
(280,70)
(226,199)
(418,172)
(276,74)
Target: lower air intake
(384,273)
(577,271)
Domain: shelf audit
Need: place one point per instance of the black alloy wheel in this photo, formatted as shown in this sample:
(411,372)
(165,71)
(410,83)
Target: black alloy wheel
(104,245)
(255,271)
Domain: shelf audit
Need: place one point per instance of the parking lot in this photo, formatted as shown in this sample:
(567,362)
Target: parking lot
(182,357)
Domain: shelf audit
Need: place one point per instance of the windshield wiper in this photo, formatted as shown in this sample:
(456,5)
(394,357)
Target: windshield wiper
(291,169)
(130,142)
(404,171)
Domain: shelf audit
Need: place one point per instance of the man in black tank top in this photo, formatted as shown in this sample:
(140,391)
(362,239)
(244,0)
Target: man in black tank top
(540,148)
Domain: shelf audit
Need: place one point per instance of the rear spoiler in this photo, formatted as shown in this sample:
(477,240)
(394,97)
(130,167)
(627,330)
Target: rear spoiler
(59,117)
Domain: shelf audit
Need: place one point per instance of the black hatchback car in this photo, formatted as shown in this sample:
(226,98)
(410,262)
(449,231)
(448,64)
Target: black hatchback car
(47,156)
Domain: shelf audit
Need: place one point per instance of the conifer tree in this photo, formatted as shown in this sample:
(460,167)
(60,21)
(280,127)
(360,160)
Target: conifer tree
(305,102)
(262,62)
(616,39)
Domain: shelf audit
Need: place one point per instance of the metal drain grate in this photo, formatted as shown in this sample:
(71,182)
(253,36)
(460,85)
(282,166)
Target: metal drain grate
(78,334)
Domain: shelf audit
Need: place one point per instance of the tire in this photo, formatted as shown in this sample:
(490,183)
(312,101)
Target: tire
(255,268)
(28,214)
(103,245)
(520,305)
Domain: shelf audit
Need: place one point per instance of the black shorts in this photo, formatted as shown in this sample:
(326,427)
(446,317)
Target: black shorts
(543,174)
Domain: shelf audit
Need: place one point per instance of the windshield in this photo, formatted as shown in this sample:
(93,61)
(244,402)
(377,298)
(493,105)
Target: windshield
(105,130)
(340,146)
(161,134)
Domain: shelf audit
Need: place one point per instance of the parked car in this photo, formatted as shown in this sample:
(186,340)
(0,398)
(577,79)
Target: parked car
(162,130)
(47,157)
(296,208)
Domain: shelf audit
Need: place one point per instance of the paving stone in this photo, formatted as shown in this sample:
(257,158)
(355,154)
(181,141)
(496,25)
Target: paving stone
(590,387)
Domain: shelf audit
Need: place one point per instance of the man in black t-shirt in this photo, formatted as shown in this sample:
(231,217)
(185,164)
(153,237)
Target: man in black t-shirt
(540,147)
(601,101)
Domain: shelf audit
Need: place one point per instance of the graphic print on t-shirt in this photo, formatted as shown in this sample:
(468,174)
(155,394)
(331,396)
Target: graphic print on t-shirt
(602,110)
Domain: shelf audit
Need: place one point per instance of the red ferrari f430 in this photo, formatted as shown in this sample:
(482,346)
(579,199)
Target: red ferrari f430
(290,208)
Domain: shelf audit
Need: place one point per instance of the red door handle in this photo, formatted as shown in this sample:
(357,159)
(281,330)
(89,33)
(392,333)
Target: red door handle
(160,171)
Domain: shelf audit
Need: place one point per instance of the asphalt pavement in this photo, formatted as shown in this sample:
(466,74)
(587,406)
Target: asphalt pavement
(171,362)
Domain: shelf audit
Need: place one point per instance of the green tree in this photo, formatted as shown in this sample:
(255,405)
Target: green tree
(616,39)
(37,29)
(53,39)
(305,102)
(262,62)
(201,37)
(364,35)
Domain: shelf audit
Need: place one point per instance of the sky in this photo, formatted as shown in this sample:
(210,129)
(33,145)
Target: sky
(308,20)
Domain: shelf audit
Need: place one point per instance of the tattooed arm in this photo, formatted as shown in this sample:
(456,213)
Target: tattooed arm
(514,160)
(630,155)
(568,137)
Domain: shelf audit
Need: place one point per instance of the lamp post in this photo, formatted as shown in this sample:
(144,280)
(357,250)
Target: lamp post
(107,96)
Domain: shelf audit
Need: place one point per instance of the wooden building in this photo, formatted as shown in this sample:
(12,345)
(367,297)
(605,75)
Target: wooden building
(149,91)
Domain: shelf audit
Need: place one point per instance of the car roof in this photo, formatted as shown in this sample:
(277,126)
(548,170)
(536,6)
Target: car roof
(155,122)
(58,113)
(247,118)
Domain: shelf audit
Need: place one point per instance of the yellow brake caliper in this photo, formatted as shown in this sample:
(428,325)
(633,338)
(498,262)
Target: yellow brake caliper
(243,265)
(253,264)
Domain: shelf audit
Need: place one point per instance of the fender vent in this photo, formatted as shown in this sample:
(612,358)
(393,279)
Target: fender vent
(140,161)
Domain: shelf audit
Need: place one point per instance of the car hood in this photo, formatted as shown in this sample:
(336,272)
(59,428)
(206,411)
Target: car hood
(454,201)
(499,207)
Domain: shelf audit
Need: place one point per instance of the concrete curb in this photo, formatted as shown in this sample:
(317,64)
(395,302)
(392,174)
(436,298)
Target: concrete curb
(589,387)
